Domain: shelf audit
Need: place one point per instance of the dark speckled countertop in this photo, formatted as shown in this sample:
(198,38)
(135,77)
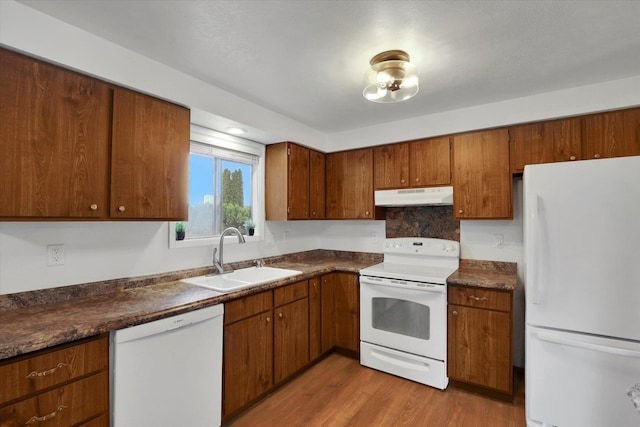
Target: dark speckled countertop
(31,321)
(485,274)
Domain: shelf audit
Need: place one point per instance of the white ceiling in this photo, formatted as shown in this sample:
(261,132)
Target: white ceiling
(307,59)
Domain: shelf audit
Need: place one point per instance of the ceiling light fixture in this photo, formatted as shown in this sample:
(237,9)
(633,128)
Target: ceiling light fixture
(236,131)
(392,78)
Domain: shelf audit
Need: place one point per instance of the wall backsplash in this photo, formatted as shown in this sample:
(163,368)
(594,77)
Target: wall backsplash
(422,221)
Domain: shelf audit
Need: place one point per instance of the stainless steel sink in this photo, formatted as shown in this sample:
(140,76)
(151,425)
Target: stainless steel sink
(240,279)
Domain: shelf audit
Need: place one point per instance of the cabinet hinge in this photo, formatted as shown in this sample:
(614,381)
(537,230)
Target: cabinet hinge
(288,151)
(288,209)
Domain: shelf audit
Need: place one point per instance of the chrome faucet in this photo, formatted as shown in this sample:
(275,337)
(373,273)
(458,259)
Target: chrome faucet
(219,263)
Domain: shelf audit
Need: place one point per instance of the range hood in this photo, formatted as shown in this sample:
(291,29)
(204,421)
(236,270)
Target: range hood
(432,196)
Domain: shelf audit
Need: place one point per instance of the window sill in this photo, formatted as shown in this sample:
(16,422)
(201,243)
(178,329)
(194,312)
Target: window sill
(207,241)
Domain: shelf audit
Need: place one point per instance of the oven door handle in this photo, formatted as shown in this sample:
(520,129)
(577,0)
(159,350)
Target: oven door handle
(436,289)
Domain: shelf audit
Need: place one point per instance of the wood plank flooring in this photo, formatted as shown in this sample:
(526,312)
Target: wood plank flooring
(338,391)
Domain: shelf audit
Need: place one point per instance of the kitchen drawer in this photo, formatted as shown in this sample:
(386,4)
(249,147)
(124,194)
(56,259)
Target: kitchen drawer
(290,293)
(29,374)
(247,306)
(480,298)
(62,407)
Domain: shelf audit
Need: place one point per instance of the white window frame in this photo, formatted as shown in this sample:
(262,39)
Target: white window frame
(223,141)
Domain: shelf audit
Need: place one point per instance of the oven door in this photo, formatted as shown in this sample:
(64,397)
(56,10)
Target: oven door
(406,319)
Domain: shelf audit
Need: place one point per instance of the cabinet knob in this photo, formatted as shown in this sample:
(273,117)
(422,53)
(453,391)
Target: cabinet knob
(402,181)
(455,313)
(572,158)
(417,179)
(93,207)
(280,315)
(460,211)
(268,319)
(121,208)
(596,156)
(313,213)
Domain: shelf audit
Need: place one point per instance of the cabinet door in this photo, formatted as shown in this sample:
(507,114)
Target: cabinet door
(347,311)
(248,361)
(315,325)
(316,185)
(479,347)
(291,338)
(546,142)
(615,134)
(481,176)
(298,207)
(391,166)
(54,141)
(430,162)
(150,158)
(341,312)
(350,184)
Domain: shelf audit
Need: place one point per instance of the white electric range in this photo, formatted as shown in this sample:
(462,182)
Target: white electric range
(403,309)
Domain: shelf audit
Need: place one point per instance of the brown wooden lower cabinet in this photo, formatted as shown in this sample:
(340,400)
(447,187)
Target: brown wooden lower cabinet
(480,338)
(62,386)
(341,312)
(266,340)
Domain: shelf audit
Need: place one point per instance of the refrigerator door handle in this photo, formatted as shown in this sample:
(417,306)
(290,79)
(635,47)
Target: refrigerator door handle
(535,245)
(587,346)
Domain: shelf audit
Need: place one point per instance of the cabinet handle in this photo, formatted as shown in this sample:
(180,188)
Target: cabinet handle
(38,419)
(572,158)
(121,208)
(48,372)
(454,312)
(93,207)
(268,319)
(596,156)
(280,315)
(478,298)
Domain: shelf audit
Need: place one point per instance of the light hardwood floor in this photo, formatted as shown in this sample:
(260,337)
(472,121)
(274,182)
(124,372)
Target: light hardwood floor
(339,392)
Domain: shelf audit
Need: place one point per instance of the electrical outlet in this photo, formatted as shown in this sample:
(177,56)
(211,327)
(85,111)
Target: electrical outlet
(374,236)
(498,240)
(285,235)
(269,239)
(55,255)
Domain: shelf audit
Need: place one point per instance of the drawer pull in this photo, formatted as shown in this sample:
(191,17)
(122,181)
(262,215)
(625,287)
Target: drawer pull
(35,374)
(45,417)
(475,298)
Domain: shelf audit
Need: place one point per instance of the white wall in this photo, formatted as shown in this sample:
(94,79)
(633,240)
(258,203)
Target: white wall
(96,251)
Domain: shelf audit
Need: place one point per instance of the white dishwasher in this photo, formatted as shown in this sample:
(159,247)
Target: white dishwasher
(168,373)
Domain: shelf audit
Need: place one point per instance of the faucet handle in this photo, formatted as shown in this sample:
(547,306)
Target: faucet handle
(259,263)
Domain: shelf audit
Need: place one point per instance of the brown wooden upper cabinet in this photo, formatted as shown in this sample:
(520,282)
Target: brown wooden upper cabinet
(420,163)
(613,134)
(391,165)
(150,158)
(294,182)
(481,177)
(430,162)
(546,142)
(350,184)
(54,141)
(71,144)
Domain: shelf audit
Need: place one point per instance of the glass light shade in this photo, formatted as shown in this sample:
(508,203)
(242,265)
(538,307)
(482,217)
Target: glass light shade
(392,80)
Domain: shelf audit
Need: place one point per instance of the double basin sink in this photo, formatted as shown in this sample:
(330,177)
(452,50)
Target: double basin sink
(241,279)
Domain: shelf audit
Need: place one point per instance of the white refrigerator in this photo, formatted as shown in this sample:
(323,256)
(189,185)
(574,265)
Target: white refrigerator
(582,290)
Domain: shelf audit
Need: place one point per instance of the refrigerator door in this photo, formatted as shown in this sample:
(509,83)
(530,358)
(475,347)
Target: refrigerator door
(582,246)
(580,380)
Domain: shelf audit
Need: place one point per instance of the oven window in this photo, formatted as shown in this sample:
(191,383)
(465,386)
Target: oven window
(401,317)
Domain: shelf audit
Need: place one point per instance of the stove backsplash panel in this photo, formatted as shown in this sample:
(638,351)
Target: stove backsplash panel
(422,221)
